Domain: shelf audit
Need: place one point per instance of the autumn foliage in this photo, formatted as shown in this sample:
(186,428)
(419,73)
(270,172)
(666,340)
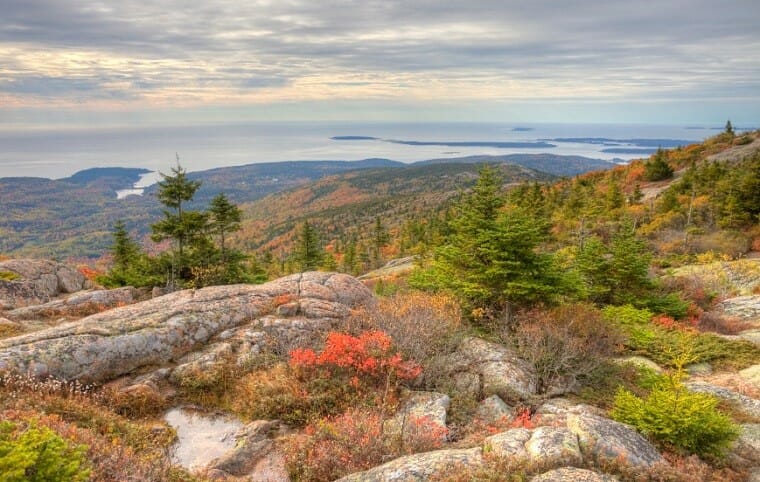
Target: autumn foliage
(367,357)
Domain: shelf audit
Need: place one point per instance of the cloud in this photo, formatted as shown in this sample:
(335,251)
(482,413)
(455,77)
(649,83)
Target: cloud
(164,53)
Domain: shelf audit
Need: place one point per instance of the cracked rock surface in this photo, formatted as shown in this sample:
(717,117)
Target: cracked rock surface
(115,342)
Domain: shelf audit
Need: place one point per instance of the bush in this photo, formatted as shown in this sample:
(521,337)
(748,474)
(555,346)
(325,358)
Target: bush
(277,393)
(337,446)
(564,344)
(37,454)
(424,327)
(661,342)
(673,415)
(8,276)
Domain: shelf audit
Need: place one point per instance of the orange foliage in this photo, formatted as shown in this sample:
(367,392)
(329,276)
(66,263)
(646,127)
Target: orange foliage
(369,354)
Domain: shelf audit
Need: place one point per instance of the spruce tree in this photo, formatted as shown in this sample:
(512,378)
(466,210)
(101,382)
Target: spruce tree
(179,224)
(125,251)
(490,260)
(308,255)
(657,167)
(225,219)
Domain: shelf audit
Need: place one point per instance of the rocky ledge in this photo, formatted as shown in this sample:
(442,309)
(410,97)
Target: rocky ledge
(161,330)
(37,281)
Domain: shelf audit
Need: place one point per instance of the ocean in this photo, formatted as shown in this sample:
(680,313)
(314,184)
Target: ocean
(58,153)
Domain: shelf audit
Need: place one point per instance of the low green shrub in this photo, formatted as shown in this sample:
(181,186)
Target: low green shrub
(661,343)
(673,415)
(33,454)
(8,276)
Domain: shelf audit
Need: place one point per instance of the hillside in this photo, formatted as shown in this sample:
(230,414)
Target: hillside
(73,217)
(344,208)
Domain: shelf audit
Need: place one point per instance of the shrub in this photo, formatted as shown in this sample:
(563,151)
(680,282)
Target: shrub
(337,446)
(368,358)
(8,275)
(424,327)
(277,393)
(564,344)
(37,454)
(673,415)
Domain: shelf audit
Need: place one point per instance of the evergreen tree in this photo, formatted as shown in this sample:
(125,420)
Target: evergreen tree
(309,254)
(380,238)
(730,128)
(657,168)
(225,219)
(125,251)
(637,195)
(179,224)
(490,259)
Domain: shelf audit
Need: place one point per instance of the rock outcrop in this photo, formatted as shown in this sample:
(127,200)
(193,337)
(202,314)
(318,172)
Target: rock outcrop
(109,344)
(37,281)
(482,368)
(602,438)
(421,412)
(743,403)
(576,436)
(420,467)
(254,455)
(573,474)
(76,305)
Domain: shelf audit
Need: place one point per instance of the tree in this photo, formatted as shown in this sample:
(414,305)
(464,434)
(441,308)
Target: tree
(657,168)
(730,128)
(125,251)
(490,260)
(181,225)
(309,254)
(380,238)
(225,218)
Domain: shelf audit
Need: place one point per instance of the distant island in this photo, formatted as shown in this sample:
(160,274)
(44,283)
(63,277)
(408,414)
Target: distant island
(496,144)
(522,129)
(630,150)
(664,143)
(354,138)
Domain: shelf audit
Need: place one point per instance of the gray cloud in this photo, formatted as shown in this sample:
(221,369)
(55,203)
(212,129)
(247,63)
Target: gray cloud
(655,49)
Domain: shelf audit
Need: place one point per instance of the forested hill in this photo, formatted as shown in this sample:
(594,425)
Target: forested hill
(549,163)
(73,217)
(344,208)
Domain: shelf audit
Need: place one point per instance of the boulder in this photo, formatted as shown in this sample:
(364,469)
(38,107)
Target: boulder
(747,446)
(743,403)
(493,409)
(491,369)
(751,375)
(639,361)
(153,332)
(745,308)
(544,446)
(422,413)
(573,474)
(420,467)
(37,281)
(604,439)
(253,443)
(77,305)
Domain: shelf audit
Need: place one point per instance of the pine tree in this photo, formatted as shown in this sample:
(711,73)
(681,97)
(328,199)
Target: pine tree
(309,254)
(380,238)
(490,259)
(657,167)
(730,128)
(182,225)
(225,219)
(125,251)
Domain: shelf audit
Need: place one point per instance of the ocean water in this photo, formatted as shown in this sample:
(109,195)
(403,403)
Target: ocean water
(62,152)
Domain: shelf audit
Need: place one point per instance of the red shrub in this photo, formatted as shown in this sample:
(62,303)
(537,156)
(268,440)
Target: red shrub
(370,355)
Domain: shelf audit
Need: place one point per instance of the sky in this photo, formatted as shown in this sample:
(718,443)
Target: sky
(128,62)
